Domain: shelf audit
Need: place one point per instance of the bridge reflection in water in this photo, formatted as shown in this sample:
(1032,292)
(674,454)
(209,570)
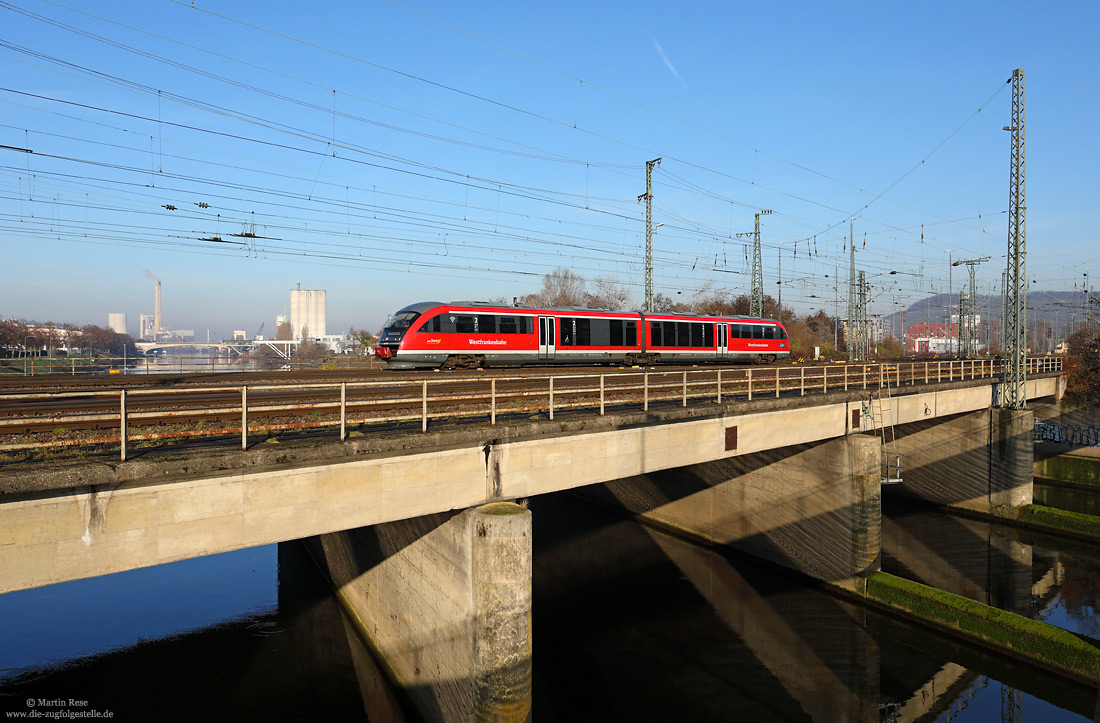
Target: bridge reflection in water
(630,624)
(634,624)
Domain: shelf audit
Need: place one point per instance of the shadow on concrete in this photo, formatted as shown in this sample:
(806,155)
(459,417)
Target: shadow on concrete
(796,506)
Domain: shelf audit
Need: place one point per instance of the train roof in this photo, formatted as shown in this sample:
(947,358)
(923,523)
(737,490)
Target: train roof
(424,306)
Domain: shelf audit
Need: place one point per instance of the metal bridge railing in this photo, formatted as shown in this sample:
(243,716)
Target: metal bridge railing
(181,413)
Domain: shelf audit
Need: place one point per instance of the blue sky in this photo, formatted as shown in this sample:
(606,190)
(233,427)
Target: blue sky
(393,153)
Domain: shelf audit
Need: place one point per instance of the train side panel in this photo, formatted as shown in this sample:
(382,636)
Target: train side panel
(428,335)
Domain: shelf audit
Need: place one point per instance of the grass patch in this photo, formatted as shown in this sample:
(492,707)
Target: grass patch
(1061,520)
(1038,642)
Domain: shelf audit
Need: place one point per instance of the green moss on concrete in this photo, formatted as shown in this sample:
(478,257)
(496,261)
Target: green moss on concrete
(1075,468)
(1053,518)
(502,508)
(1042,644)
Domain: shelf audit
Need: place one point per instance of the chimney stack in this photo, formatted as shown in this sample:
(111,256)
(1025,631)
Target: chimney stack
(156,311)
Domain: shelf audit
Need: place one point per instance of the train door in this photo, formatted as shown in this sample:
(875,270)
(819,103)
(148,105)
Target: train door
(723,340)
(546,337)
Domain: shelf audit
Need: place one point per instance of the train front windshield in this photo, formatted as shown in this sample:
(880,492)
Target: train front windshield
(401,321)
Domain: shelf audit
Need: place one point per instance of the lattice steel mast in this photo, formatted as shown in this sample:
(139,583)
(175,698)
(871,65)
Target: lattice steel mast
(862,332)
(1013,388)
(853,297)
(648,198)
(968,331)
(756,294)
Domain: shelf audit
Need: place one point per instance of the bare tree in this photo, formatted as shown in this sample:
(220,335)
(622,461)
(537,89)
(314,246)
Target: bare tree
(608,295)
(560,287)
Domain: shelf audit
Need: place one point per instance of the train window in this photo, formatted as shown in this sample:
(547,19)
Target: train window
(434,324)
(696,334)
(584,332)
(568,332)
(465,324)
(631,334)
(508,324)
(486,324)
(615,327)
(656,338)
(758,331)
(744,331)
(782,332)
(769,332)
(708,335)
(402,320)
(683,333)
(525,325)
(601,332)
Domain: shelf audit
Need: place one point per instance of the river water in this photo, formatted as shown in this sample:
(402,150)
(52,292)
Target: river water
(630,624)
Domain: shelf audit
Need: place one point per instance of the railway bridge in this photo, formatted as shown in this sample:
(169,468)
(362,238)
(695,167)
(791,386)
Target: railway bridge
(428,551)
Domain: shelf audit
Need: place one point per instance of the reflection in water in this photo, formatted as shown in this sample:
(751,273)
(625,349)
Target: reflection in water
(629,624)
(1041,577)
(1087,502)
(254,634)
(635,625)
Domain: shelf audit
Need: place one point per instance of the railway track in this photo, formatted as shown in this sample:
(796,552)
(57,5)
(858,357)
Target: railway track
(106,411)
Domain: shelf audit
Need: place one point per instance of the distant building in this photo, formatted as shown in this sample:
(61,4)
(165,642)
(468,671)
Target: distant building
(117,323)
(334,342)
(307,313)
(932,338)
(239,335)
(879,327)
(148,330)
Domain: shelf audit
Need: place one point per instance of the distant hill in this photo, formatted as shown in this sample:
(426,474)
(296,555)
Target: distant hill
(1057,308)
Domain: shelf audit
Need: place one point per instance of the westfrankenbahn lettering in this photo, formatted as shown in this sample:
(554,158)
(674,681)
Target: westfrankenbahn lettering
(486,341)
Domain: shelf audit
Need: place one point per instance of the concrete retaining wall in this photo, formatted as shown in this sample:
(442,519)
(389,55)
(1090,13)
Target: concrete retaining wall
(977,461)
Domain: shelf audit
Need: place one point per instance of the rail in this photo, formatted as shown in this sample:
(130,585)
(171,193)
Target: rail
(362,404)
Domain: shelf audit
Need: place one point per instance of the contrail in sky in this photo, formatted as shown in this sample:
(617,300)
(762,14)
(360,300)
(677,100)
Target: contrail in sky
(667,62)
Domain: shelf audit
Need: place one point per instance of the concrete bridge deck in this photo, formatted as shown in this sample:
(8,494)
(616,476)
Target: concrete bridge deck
(64,522)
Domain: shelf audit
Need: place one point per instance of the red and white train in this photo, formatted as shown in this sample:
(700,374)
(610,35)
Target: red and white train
(468,334)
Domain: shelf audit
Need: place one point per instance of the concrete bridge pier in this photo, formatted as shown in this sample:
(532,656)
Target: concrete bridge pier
(814,508)
(980,461)
(445,602)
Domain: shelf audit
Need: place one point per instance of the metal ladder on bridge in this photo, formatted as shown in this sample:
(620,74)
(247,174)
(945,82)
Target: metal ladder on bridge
(876,411)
